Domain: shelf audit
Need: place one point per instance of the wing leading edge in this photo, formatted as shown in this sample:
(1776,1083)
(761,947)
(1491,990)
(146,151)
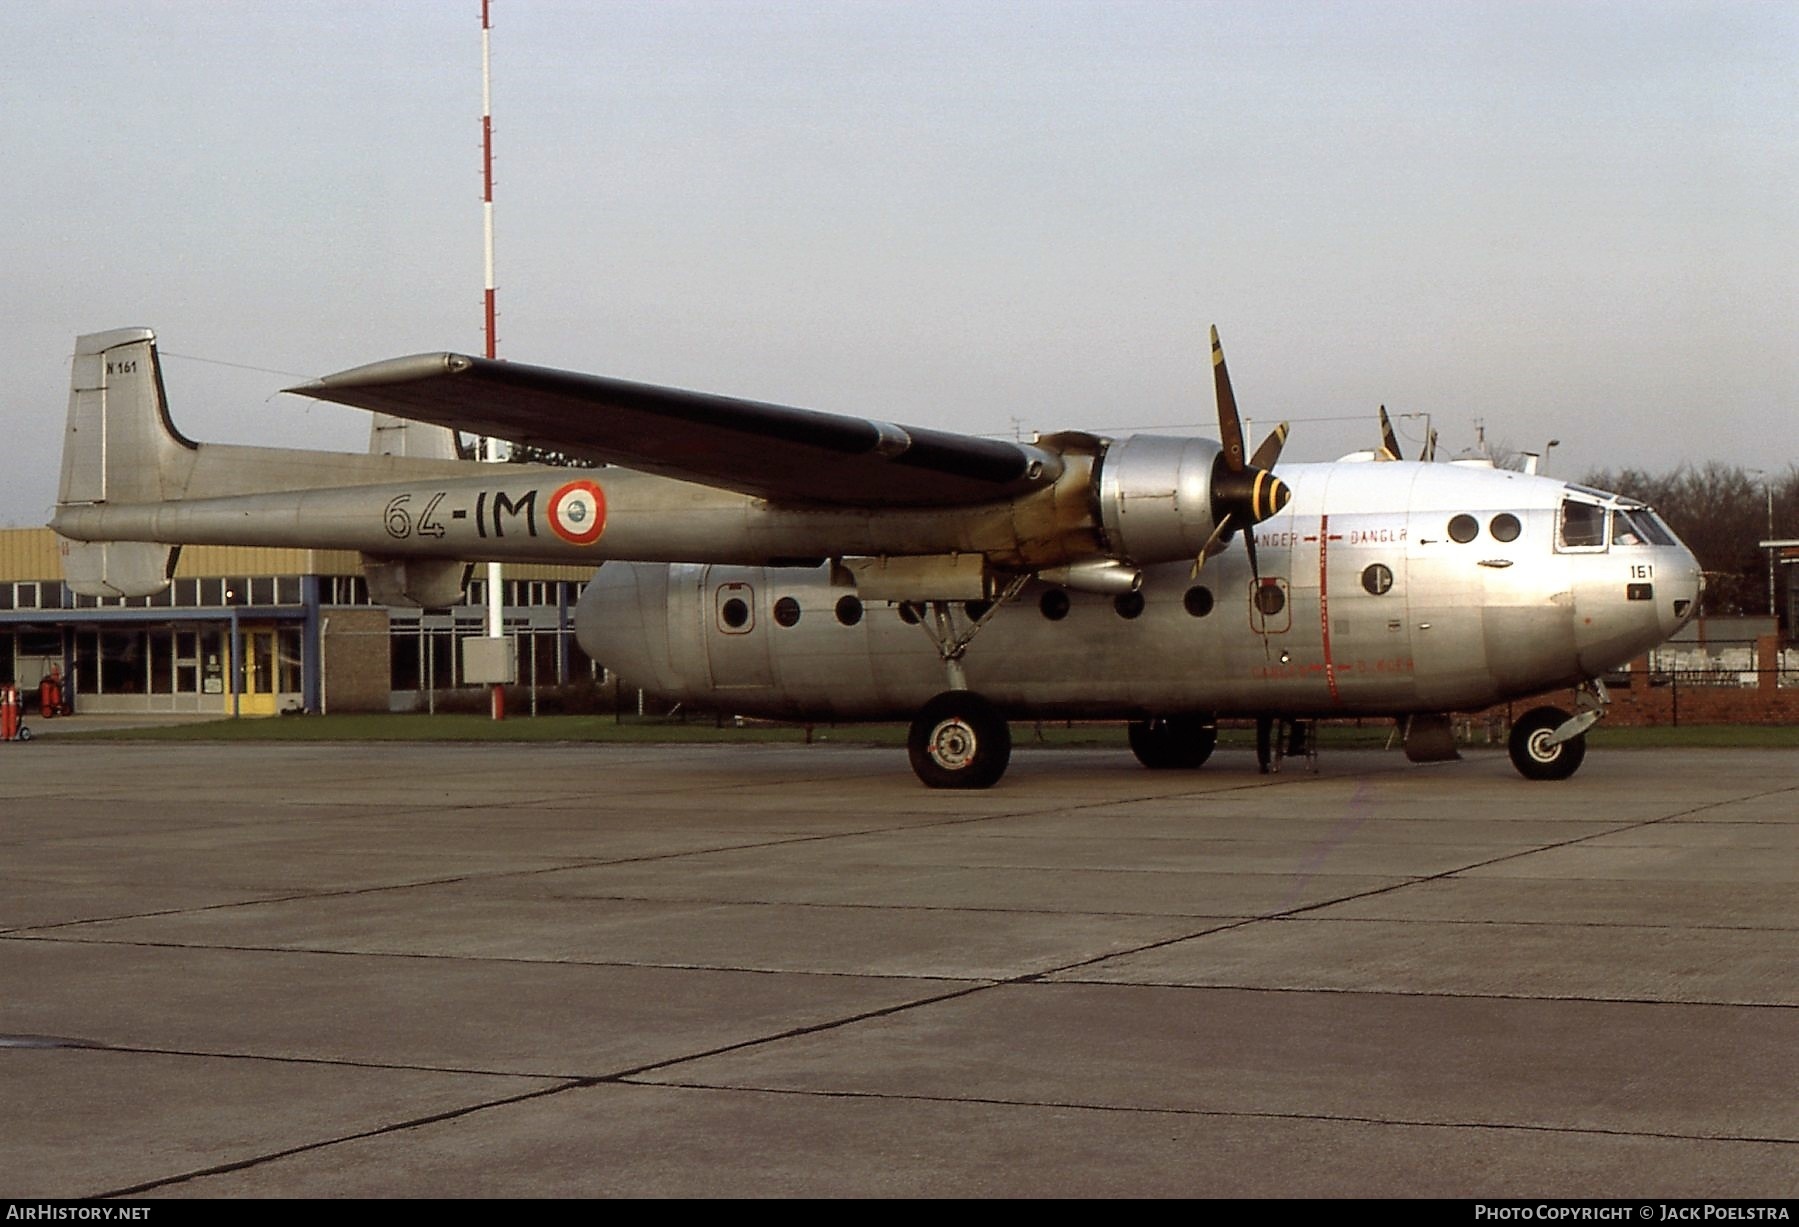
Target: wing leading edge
(775,451)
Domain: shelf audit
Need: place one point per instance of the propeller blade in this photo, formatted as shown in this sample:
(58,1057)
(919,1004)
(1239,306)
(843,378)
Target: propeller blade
(1214,544)
(1270,452)
(1430,448)
(1230,428)
(1243,495)
(1249,543)
(1388,440)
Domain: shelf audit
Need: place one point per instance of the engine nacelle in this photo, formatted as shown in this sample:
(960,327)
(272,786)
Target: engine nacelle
(1155,497)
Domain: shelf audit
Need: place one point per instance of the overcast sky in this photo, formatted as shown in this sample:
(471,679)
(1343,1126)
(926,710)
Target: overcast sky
(1577,221)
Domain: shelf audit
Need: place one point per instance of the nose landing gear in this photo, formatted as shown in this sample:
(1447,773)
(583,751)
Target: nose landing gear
(1549,744)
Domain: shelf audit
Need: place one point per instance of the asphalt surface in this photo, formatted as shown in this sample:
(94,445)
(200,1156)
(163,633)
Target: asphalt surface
(324,970)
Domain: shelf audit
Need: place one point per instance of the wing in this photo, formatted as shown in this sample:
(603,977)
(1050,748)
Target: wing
(780,453)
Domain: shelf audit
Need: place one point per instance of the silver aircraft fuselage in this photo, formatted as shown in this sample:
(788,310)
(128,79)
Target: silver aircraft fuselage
(1368,604)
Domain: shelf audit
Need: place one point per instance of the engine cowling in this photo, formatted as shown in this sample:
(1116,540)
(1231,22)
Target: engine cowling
(1155,497)
(1162,499)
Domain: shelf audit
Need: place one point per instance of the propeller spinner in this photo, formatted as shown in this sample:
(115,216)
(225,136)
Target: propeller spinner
(1243,495)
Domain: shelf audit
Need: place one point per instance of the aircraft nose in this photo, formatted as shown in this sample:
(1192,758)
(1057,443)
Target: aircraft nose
(1682,590)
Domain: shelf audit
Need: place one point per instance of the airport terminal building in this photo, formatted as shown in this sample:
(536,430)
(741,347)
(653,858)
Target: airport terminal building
(258,631)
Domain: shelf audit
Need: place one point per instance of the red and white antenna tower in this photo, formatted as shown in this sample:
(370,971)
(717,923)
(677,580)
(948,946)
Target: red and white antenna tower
(487,170)
(496,606)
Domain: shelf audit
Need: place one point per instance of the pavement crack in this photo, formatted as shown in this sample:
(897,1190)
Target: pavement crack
(323,1143)
(1238,1113)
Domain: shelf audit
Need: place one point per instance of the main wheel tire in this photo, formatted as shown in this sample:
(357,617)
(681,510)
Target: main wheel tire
(1173,743)
(1532,754)
(958,740)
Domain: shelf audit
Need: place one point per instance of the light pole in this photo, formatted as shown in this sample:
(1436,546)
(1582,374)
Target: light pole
(237,657)
(1768,489)
(1546,447)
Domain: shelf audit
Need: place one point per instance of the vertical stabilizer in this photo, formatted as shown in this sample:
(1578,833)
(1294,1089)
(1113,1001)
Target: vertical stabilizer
(119,447)
(392,436)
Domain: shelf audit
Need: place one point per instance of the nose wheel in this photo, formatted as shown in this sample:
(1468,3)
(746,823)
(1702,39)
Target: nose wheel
(958,740)
(1536,751)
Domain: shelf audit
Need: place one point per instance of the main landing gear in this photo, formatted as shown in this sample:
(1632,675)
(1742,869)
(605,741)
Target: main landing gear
(959,739)
(1549,744)
(1173,743)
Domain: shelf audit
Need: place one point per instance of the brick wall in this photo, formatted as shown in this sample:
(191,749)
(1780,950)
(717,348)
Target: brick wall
(1670,703)
(358,665)
(1650,705)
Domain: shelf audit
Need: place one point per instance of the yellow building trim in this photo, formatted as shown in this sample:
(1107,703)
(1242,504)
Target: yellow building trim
(28,553)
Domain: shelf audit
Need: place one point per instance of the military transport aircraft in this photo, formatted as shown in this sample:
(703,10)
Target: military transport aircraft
(788,563)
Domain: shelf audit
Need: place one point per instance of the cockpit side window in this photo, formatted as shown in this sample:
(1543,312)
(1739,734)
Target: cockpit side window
(1583,526)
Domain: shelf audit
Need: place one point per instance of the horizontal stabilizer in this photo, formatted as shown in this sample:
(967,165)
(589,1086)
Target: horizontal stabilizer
(416,583)
(117,568)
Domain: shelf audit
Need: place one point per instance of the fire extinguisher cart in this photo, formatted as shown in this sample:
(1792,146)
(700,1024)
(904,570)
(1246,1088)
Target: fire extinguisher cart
(12,715)
(51,701)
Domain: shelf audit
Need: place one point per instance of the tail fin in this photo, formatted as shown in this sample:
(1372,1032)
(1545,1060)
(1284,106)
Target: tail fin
(392,436)
(119,447)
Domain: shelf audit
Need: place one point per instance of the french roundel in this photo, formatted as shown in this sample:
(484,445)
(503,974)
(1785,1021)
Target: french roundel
(578,512)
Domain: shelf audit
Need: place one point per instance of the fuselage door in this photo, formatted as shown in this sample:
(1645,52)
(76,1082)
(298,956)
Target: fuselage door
(734,609)
(736,640)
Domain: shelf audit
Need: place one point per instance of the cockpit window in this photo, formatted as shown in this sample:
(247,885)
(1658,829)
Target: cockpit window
(1583,525)
(1638,526)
